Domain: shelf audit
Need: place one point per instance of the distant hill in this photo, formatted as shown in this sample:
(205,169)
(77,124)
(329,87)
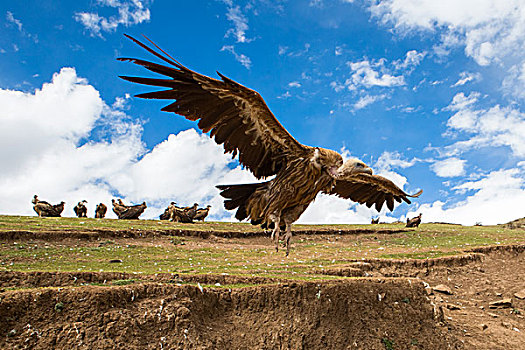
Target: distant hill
(518,223)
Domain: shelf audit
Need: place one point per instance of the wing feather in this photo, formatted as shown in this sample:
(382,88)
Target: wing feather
(371,190)
(235,115)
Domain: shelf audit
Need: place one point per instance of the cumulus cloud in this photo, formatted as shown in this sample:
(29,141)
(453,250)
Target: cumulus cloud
(130,12)
(497,198)
(364,74)
(496,126)
(489,30)
(450,167)
(411,60)
(63,142)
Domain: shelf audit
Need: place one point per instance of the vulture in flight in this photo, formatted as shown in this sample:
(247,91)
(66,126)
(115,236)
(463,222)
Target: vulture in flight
(239,119)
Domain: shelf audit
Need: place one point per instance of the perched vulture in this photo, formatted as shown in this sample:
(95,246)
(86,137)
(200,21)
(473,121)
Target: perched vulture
(80,209)
(375,221)
(239,119)
(130,212)
(192,211)
(414,222)
(202,213)
(100,211)
(44,209)
(179,214)
(118,208)
(166,214)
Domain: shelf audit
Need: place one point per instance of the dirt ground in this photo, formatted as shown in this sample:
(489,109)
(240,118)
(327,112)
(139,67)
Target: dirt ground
(365,303)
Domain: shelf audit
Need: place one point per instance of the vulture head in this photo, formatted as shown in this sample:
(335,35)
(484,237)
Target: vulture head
(326,160)
(353,166)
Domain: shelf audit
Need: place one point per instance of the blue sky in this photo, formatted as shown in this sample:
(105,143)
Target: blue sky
(430,95)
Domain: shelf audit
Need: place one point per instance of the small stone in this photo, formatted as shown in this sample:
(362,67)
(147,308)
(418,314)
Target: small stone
(506,325)
(115,261)
(492,315)
(453,307)
(483,326)
(500,303)
(441,288)
(520,294)
(498,294)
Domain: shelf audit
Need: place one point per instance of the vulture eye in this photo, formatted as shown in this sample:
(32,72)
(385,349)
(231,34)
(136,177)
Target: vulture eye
(360,165)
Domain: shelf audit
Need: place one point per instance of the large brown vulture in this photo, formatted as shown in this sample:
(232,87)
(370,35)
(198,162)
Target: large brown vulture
(100,211)
(80,209)
(130,212)
(239,119)
(202,213)
(44,209)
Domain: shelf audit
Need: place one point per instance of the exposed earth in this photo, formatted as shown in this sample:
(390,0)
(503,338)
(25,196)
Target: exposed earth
(106,284)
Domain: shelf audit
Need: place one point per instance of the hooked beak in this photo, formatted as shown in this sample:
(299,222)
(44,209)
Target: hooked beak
(333,171)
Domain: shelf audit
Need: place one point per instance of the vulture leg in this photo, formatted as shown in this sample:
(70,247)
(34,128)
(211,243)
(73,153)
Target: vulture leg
(276,230)
(288,237)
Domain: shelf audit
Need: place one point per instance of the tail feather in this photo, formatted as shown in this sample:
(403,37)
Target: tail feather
(237,196)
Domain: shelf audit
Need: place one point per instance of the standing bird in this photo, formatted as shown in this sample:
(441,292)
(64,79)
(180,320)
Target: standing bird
(80,209)
(202,213)
(100,211)
(415,221)
(44,209)
(239,119)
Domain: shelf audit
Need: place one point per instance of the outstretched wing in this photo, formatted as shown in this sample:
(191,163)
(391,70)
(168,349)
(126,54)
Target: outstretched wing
(237,116)
(371,189)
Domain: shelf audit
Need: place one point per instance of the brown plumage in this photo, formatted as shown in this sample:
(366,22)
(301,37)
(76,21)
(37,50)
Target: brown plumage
(239,119)
(130,212)
(202,213)
(80,209)
(178,214)
(100,211)
(375,221)
(414,222)
(44,209)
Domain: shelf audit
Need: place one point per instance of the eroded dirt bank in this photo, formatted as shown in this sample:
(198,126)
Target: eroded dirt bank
(359,314)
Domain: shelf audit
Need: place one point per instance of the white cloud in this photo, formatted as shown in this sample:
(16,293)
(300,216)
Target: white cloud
(450,167)
(365,75)
(240,23)
(465,77)
(294,84)
(412,59)
(130,12)
(496,126)
(43,151)
(367,100)
(498,198)
(10,18)
(241,58)
(489,30)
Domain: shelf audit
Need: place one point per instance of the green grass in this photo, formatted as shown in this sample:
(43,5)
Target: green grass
(241,256)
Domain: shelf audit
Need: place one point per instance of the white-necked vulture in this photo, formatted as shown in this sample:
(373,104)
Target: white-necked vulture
(80,209)
(239,119)
(44,209)
(100,211)
(202,213)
